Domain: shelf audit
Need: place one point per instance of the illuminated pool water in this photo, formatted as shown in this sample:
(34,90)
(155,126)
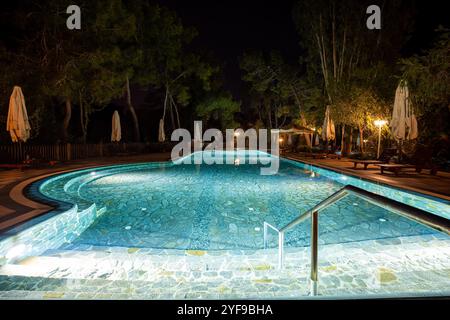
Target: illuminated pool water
(212,211)
(224,206)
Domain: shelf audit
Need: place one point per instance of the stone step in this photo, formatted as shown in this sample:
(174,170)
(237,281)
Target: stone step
(135,265)
(149,269)
(404,284)
(399,254)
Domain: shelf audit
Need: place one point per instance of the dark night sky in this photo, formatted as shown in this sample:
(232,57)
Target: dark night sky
(229,27)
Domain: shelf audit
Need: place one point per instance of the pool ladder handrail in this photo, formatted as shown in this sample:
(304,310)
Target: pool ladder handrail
(431,220)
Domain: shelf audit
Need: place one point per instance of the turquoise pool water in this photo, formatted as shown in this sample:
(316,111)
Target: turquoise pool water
(209,207)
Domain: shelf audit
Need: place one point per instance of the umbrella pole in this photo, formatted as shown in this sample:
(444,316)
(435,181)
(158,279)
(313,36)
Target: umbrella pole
(379,142)
(20,152)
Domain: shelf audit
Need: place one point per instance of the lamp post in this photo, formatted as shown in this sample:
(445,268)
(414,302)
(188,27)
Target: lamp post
(379,124)
(312,136)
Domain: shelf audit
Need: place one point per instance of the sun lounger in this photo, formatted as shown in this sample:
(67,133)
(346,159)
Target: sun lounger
(395,168)
(384,158)
(333,156)
(365,163)
(319,155)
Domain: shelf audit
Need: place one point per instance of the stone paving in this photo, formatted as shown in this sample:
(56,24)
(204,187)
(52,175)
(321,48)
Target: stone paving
(410,266)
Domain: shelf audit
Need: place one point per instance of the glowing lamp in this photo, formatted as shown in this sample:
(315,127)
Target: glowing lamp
(380,123)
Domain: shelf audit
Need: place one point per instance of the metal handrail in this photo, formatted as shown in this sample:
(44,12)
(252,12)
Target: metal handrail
(407,211)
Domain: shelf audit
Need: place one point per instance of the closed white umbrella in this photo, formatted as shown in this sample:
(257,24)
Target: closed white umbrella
(161,134)
(413,128)
(116,133)
(398,121)
(197,131)
(404,123)
(328,129)
(317,142)
(17,122)
(411,123)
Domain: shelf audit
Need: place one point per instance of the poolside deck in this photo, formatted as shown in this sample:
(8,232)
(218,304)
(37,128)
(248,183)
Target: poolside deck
(15,208)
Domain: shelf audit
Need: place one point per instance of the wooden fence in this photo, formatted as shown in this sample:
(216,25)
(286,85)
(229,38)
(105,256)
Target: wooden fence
(19,152)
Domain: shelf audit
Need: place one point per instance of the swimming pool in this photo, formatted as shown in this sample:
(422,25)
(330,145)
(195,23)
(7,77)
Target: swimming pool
(219,210)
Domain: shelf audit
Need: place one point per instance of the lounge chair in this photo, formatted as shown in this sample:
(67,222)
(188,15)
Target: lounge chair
(334,156)
(384,158)
(421,159)
(395,167)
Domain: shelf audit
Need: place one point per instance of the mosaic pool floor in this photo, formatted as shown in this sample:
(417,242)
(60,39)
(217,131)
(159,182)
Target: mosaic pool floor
(407,266)
(219,207)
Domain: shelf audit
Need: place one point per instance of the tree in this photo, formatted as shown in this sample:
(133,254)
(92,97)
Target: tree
(46,51)
(428,76)
(172,67)
(359,110)
(336,38)
(121,46)
(220,109)
(342,54)
(276,86)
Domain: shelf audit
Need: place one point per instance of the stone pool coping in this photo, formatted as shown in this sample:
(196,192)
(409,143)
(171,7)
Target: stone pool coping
(23,206)
(20,194)
(368,178)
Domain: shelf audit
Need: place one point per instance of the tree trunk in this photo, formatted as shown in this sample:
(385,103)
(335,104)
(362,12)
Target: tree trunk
(176,111)
(333,28)
(137,134)
(350,143)
(343,140)
(302,117)
(276,117)
(165,104)
(341,62)
(361,139)
(83,119)
(66,121)
(269,116)
(172,118)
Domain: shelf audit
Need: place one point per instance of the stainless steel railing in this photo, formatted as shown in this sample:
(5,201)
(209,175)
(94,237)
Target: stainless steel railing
(436,222)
